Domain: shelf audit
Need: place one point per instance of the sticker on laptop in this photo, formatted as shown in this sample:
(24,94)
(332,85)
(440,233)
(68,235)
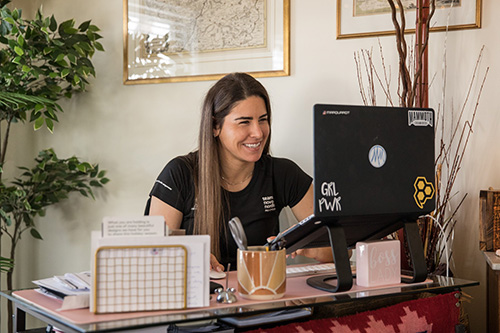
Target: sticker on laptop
(330,198)
(377,156)
(420,118)
(424,190)
(336,113)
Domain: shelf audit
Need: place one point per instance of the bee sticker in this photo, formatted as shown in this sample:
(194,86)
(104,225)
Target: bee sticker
(424,191)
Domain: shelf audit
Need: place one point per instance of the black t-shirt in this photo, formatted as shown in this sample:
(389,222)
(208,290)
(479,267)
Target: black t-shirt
(275,184)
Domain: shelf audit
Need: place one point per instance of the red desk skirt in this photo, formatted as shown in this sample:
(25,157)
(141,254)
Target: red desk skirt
(439,313)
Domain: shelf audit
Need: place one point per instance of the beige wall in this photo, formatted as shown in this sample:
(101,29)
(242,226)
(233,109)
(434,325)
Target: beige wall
(132,131)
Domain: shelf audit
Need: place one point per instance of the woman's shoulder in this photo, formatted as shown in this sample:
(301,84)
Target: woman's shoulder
(278,162)
(279,167)
(188,161)
(181,165)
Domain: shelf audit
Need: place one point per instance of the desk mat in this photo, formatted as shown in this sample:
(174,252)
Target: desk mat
(298,292)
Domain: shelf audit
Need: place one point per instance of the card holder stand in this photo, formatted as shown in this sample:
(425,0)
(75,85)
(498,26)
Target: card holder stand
(139,278)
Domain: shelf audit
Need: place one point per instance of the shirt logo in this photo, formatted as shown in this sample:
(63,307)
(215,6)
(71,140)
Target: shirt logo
(269,205)
(163,184)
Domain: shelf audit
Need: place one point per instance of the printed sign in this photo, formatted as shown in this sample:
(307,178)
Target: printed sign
(378,263)
(134,226)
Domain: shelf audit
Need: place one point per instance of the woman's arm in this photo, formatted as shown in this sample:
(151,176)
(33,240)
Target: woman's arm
(303,209)
(172,216)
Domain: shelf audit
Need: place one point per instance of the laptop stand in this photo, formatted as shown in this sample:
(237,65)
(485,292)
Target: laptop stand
(341,259)
(416,253)
(340,253)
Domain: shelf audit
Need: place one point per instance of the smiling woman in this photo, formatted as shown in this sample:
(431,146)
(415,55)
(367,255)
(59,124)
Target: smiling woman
(231,174)
(243,138)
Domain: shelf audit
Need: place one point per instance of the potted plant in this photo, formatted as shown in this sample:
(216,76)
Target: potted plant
(41,61)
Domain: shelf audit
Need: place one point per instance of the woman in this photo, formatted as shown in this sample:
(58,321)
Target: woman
(232,174)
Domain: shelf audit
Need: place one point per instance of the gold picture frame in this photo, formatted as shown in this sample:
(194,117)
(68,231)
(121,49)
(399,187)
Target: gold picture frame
(374,18)
(178,40)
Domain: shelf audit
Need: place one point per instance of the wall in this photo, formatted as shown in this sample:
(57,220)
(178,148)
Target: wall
(132,131)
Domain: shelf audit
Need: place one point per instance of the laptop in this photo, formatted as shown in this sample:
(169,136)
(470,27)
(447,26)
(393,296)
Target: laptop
(373,171)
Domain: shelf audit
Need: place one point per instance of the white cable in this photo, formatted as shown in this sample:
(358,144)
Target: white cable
(445,243)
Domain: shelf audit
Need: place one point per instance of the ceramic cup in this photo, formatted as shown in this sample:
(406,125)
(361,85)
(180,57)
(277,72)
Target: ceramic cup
(261,273)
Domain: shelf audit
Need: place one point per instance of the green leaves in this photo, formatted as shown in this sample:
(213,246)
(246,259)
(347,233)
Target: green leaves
(43,110)
(53,24)
(35,234)
(6,264)
(16,100)
(43,58)
(18,50)
(41,61)
(38,123)
(50,181)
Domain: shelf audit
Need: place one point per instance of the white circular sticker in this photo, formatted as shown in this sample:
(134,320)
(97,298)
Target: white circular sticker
(377,156)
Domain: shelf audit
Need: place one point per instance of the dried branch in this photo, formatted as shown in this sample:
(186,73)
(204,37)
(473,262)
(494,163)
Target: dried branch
(369,97)
(387,76)
(437,230)
(468,93)
(360,78)
(402,49)
(422,26)
(368,61)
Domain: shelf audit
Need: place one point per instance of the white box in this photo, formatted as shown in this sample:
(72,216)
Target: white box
(378,263)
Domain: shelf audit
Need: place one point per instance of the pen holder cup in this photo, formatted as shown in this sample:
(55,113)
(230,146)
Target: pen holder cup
(261,273)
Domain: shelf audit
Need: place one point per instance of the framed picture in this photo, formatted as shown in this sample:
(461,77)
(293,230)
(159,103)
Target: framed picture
(179,40)
(366,18)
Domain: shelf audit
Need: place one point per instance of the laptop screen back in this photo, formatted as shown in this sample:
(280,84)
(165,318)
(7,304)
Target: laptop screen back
(373,171)
(372,161)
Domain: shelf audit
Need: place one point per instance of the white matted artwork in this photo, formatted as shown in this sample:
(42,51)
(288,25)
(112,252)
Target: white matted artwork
(178,40)
(366,18)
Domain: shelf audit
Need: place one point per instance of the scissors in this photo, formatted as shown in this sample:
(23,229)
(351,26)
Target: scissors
(238,233)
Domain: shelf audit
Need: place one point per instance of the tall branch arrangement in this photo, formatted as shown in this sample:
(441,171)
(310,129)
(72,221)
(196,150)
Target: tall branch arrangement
(452,135)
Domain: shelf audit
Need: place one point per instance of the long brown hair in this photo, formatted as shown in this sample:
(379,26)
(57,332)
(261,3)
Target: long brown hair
(211,205)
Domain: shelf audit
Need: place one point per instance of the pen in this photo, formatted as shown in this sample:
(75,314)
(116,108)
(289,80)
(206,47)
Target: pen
(277,244)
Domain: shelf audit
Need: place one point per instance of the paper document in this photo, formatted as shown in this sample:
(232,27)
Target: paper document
(59,287)
(138,226)
(79,280)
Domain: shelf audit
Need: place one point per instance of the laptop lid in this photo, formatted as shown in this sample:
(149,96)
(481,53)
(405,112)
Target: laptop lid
(373,160)
(373,171)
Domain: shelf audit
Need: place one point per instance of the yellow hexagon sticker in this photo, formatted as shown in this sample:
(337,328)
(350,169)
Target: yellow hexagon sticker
(424,191)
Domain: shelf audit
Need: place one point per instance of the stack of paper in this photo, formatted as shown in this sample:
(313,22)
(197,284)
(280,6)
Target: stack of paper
(72,288)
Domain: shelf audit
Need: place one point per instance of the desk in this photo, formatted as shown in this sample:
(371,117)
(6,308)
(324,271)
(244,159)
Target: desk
(493,291)
(298,294)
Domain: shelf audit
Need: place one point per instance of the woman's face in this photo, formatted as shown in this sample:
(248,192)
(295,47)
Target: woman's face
(244,132)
